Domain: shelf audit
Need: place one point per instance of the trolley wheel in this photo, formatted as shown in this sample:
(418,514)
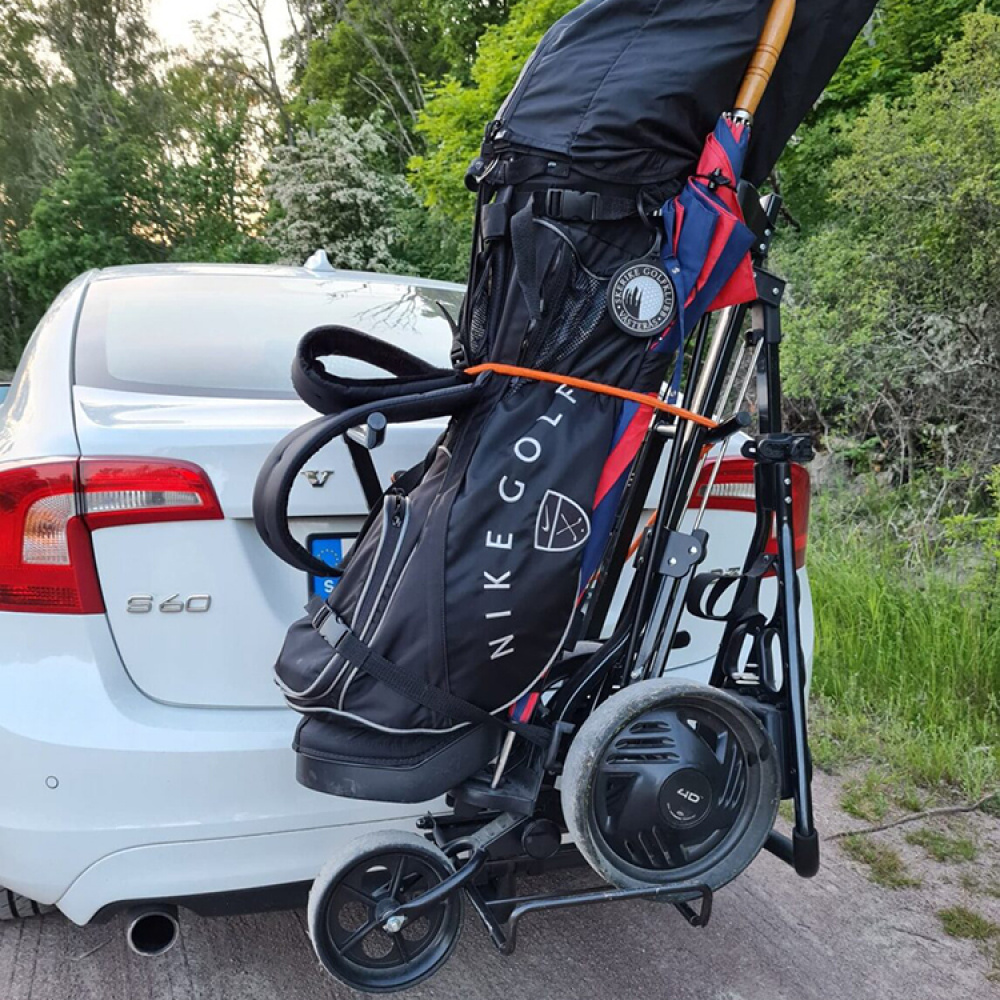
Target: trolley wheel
(353,893)
(670,783)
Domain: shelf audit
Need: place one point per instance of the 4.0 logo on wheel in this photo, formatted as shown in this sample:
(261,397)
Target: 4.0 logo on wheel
(641,298)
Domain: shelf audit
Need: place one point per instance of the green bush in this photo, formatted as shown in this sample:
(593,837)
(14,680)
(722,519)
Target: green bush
(895,302)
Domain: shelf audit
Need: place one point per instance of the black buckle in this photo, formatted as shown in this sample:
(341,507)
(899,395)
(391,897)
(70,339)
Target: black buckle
(567,205)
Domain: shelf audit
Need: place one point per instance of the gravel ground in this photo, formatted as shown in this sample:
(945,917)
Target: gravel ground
(772,937)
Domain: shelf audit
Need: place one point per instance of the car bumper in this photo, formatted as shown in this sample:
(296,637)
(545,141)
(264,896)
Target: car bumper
(107,796)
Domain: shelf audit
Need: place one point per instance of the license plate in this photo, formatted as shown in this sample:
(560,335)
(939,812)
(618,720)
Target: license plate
(329,549)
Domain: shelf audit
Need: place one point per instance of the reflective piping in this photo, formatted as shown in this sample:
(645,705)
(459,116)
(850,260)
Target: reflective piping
(340,713)
(378,552)
(347,684)
(288,692)
(363,633)
(288,689)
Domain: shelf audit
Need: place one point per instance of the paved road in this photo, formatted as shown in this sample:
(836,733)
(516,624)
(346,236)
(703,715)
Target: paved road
(772,937)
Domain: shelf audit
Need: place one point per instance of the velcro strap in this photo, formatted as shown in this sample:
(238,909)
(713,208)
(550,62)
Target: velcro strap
(405,682)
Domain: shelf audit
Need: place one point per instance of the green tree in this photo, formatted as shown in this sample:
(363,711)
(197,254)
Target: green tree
(111,151)
(452,123)
(333,190)
(903,39)
(896,300)
(379,54)
(213,193)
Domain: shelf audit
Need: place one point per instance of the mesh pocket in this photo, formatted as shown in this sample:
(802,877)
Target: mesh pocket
(578,317)
(479,314)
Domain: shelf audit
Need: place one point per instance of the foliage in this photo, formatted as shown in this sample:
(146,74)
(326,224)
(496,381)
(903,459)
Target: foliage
(213,193)
(332,190)
(83,219)
(907,662)
(378,54)
(896,300)
(453,121)
(903,39)
(112,152)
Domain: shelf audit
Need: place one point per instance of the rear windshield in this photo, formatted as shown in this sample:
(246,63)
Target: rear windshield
(235,335)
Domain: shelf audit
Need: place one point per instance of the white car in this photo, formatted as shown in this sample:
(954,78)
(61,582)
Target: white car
(144,748)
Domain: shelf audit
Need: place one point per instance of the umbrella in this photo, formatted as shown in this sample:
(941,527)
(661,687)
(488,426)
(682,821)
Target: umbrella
(705,251)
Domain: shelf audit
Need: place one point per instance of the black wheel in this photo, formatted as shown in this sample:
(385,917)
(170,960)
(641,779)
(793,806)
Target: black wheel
(14,906)
(351,898)
(670,783)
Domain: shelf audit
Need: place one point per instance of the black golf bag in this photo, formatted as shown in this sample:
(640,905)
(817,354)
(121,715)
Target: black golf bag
(462,590)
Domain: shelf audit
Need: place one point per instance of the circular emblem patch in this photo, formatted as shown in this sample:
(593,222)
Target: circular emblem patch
(641,298)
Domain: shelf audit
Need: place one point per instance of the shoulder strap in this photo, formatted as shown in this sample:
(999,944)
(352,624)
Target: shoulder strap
(329,393)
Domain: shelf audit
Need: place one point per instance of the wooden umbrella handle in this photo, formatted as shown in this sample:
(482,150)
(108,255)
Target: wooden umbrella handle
(765,57)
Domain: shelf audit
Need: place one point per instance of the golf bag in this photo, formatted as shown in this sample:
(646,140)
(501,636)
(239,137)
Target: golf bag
(462,589)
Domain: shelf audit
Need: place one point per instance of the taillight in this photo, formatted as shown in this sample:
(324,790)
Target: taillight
(49,509)
(733,489)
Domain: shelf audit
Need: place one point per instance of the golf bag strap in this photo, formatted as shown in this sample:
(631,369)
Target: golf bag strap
(330,394)
(362,657)
(599,387)
(289,456)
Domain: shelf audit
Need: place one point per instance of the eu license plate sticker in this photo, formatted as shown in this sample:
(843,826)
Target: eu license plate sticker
(329,549)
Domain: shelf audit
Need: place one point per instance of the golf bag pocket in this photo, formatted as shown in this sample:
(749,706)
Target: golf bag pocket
(466,586)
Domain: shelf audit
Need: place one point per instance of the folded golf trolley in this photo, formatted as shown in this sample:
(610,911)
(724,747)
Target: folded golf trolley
(476,646)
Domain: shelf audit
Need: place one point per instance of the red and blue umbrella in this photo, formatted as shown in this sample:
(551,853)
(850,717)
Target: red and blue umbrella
(706,253)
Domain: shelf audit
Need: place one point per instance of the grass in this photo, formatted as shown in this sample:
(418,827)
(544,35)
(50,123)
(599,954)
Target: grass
(865,798)
(942,846)
(907,669)
(885,866)
(959,922)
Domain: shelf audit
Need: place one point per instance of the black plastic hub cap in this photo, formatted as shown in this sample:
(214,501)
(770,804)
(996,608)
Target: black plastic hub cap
(670,790)
(685,798)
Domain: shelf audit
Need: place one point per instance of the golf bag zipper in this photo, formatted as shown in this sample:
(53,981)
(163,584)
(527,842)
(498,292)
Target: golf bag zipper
(394,524)
(395,521)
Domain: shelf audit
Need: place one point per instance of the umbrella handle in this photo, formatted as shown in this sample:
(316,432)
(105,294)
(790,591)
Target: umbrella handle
(765,57)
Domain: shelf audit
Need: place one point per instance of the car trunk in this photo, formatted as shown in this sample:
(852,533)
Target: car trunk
(191,364)
(199,609)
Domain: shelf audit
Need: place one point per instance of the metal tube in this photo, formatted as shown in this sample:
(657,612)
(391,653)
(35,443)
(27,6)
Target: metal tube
(711,358)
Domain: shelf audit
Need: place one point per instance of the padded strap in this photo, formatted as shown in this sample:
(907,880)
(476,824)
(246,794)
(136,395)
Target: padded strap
(329,393)
(406,682)
(522,241)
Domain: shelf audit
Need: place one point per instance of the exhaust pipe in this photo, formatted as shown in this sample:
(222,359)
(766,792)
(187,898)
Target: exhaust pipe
(152,930)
